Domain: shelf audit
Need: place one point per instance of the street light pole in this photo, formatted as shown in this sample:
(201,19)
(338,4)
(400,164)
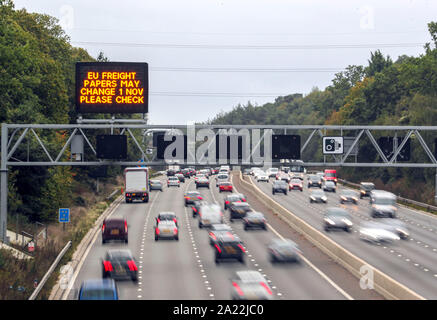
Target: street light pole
(4,183)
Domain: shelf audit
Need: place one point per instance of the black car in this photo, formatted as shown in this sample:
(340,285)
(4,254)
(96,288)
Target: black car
(155,185)
(181,177)
(365,189)
(235,197)
(217,229)
(284,250)
(337,218)
(314,181)
(197,205)
(254,220)
(238,210)
(168,215)
(280,186)
(228,246)
(119,264)
(114,229)
(186,173)
(170,173)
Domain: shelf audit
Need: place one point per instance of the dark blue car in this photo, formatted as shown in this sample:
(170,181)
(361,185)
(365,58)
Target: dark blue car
(98,289)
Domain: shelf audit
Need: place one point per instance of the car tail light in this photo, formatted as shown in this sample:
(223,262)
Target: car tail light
(266,287)
(227,202)
(237,287)
(175,220)
(108,266)
(218,248)
(157,230)
(125,226)
(212,235)
(187,198)
(158,220)
(241,247)
(244,200)
(175,230)
(132,266)
(103,227)
(200,198)
(194,209)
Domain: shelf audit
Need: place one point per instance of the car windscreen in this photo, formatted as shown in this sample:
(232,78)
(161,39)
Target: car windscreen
(384,201)
(337,213)
(331,174)
(97,294)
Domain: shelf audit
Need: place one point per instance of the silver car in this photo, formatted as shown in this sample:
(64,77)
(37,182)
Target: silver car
(173,181)
(329,186)
(250,285)
(209,215)
(166,229)
(283,250)
(318,196)
(337,218)
(376,232)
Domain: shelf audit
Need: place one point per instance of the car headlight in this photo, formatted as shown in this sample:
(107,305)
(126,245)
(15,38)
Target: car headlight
(324,198)
(404,232)
(348,222)
(312,198)
(343,198)
(329,221)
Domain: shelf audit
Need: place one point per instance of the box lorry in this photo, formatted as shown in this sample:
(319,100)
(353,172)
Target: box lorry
(136,184)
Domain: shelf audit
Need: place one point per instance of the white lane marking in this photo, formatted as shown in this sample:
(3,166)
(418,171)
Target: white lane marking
(323,275)
(79,266)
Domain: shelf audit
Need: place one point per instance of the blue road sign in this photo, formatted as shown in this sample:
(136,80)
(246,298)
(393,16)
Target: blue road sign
(64,215)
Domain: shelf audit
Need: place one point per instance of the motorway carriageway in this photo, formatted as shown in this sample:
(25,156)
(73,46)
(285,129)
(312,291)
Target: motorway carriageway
(411,262)
(185,269)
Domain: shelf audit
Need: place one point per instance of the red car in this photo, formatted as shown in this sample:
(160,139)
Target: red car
(114,229)
(295,184)
(225,186)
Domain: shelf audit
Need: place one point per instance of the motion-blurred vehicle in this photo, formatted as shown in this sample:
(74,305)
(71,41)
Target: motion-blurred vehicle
(136,184)
(119,265)
(318,196)
(329,186)
(396,226)
(202,183)
(210,214)
(114,228)
(215,170)
(166,229)
(225,186)
(173,182)
(98,289)
(348,196)
(166,215)
(272,172)
(228,246)
(280,186)
(283,250)
(238,210)
(337,218)
(170,172)
(314,181)
(246,171)
(235,197)
(254,220)
(221,177)
(383,204)
(196,207)
(180,176)
(217,229)
(295,184)
(250,285)
(192,196)
(155,185)
(365,189)
(376,232)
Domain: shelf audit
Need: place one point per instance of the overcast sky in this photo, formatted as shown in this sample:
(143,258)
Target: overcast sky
(249,41)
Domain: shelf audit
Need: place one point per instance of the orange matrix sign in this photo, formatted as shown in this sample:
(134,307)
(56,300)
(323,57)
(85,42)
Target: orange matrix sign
(110,87)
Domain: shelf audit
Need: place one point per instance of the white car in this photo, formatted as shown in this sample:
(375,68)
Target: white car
(261,176)
(221,177)
(375,232)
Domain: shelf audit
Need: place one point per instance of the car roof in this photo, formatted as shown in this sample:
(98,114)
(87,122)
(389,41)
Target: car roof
(98,284)
(220,227)
(166,222)
(167,213)
(255,213)
(193,193)
(250,276)
(240,204)
(113,253)
(227,237)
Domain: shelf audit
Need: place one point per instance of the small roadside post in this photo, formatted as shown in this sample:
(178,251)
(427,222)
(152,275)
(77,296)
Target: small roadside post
(64,216)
